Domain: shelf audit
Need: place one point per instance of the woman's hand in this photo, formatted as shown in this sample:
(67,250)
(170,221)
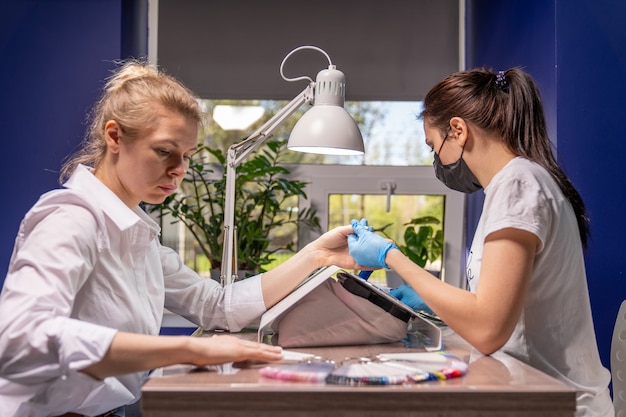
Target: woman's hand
(220,349)
(332,248)
(130,352)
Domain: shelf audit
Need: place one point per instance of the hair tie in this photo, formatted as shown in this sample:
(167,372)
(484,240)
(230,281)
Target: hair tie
(501,82)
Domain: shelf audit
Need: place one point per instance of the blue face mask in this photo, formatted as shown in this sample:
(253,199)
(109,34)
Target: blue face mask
(456,175)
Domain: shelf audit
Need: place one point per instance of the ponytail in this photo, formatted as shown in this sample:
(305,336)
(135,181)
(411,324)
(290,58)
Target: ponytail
(507,103)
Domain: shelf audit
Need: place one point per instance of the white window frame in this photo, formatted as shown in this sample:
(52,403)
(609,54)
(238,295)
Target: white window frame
(342,179)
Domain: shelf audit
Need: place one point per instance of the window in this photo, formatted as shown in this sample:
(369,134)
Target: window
(396,186)
(419,217)
(391,52)
(392,133)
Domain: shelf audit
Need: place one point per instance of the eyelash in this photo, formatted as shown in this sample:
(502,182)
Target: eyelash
(167,153)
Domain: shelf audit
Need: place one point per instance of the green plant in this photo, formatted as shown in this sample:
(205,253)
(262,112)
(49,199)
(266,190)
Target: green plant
(422,243)
(264,200)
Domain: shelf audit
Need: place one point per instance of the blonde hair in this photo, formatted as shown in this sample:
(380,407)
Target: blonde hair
(132,97)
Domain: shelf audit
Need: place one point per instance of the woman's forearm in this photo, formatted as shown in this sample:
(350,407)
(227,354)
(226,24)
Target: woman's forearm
(136,352)
(277,283)
(329,249)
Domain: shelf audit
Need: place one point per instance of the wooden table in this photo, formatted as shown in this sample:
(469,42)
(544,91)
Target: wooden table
(496,385)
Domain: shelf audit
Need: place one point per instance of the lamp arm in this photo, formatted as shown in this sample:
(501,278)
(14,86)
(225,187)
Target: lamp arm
(247,146)
(236,154)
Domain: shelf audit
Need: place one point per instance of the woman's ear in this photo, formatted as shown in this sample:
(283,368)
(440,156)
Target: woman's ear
(112,135)
(458,130)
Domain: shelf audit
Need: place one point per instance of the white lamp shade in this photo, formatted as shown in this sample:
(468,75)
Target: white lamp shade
(326,130)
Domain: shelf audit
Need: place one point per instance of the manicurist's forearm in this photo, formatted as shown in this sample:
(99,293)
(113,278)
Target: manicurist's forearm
(459,309)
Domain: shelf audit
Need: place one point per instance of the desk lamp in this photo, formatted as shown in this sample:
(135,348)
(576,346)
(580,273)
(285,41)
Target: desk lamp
(326,128)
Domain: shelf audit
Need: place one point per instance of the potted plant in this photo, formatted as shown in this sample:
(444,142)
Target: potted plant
(263,214)
(422,243)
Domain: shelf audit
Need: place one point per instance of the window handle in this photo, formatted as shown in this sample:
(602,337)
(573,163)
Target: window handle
(390,187)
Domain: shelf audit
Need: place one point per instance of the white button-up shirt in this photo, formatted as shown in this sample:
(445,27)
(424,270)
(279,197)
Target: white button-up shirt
(85,266)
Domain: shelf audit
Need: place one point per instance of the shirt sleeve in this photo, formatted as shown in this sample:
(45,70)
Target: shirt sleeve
(204,301)
(518,201)
(54,253)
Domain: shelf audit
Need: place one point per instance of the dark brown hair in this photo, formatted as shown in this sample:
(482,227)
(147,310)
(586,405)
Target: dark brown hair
(507,103)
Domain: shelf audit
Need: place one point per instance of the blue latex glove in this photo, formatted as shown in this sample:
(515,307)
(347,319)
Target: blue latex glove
(408,296)
(365,274)
(366,247)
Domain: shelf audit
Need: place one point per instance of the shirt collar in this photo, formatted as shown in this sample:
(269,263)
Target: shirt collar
(84,181)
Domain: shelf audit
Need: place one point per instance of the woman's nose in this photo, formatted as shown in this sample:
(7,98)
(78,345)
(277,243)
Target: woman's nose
(179,168)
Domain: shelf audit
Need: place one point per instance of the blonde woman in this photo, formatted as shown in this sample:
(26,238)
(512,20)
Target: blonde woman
(83,299)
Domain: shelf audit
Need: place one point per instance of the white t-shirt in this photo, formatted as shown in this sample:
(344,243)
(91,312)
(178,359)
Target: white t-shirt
(555,331)
(85,266)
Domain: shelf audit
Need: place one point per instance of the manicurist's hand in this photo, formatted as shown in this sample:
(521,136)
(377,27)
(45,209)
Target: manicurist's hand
(408,296)
(366,247)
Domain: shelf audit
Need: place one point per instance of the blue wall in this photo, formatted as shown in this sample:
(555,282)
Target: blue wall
(591,92)
(576,51)
(54,55)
